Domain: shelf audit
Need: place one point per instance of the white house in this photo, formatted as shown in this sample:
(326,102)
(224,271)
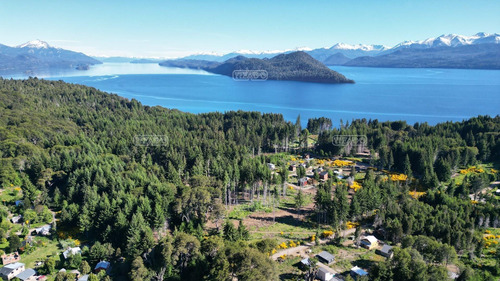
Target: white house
(72,252)
(11,270)
(324,275)
(44,230)
(369,242)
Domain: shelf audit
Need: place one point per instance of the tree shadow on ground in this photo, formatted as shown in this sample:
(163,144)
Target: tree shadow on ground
(363,263)
(290,276)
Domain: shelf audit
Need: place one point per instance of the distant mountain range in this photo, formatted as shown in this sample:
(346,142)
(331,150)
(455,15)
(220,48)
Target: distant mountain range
(483,56)
(479,51)
(446,51)
(295,66)
(37,55)
(350,51)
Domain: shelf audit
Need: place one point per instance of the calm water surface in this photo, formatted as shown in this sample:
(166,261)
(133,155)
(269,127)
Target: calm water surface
(414,95)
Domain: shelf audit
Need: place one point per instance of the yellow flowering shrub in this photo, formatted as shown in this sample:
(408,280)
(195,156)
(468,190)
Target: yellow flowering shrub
(342,163)
(398,177)
(313,238)
(489,237)
(416,194)
(327,233)
(282,246)
(350,225)
(356,186)
(472,169)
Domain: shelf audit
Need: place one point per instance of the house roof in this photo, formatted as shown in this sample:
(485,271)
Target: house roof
(71,251)
(6,270)
(305,261)
(45,228)
(26,274)
(359,271)
(16,219)
(386,249)
(370,239)
(326,256)
(84,278)
(323,173)
(102,264)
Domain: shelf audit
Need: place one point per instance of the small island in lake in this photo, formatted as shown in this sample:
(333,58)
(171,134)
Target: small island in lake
(296,66)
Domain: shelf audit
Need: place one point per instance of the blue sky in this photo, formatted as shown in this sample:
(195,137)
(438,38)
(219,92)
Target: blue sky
(176,28)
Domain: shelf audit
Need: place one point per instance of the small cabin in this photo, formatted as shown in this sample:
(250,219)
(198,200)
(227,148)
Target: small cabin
(323,175)
(325,257)
(324,275)
(386,251)
(303,182)
(357,272)
(369,242)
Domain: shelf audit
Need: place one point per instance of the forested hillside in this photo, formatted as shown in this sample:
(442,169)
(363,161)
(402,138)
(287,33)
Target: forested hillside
(142,182)
(296,66)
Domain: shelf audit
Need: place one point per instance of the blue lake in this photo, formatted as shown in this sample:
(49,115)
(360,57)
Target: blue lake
(414,95)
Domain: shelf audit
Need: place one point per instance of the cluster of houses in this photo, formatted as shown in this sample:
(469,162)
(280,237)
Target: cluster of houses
(14,269)
(102,265)
(325,273)
(43,230)
(309,180)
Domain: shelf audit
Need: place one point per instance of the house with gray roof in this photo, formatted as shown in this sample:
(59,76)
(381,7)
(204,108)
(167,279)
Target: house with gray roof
(11,270)
(325,257)
(27,275)
(386,251)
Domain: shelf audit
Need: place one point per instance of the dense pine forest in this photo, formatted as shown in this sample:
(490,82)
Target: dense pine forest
(149,188)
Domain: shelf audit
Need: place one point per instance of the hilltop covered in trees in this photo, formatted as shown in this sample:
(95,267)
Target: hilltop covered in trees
(296,66)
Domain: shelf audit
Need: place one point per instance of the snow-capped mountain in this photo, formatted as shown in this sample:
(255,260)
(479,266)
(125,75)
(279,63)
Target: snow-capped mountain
(34,56)
(450,40)
(36,44)
(339,52)
(367,48)
(321,54)
(479,51)
(346,50)
(214,56)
